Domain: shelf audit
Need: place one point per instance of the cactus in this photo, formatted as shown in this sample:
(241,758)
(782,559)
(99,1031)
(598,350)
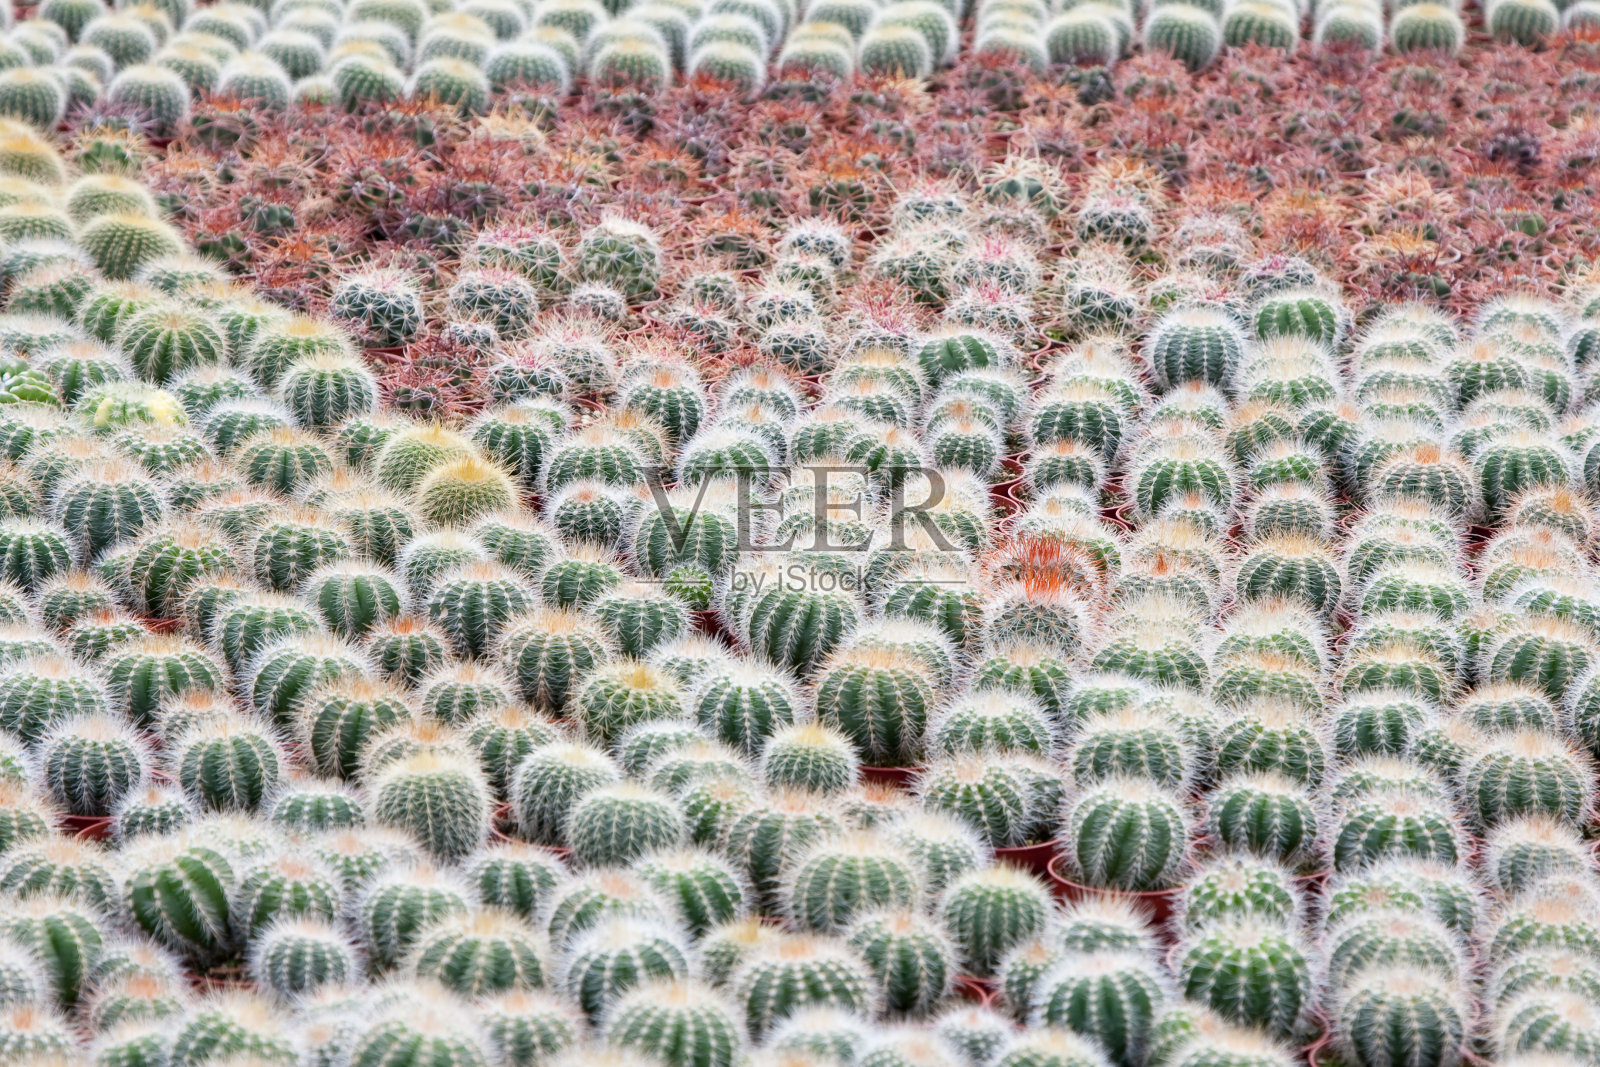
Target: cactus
(153,810)
(1157,653)
(287,550)
(181,896)
(1543,651)
(588,901)
(1195,344)
(993,797)
(910,956)
(1239,887)
(879,699)
(457,693)
(108,502)
(1266,814)
(120,244)
(289,669)
(677,1022)
(615,824)
(383,305)
(549,784)
(1522,851)
(1271,735)
(407,649)
(796,973)
(23,815)
(90,764)
(232,765)
(527,1028)
(473,604)
(31,553)
(317,806)
(282,887)
(299,955)
(1178,466)
(40,692)
(1130,741)
(1525,773)
(327,389)
(1401,1015)
(704,889)
(1427,28)
(460,491)
(621,953)
(1031,671)
(1395,823)
(988,912)
(1249,971)
(440,798)
(767,837)
(839,879)
(166,340)
(745,705)
(398,906)
(620,695)
(484,952)
(1126,834)
(353,598)
(1109,996)
(1390,938)
(547,652)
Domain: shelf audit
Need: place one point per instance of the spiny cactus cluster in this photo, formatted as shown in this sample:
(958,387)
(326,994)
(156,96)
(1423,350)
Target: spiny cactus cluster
(1021,615)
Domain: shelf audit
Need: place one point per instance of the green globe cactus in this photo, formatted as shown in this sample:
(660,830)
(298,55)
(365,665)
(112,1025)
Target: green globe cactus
(607,961)
(107,502)
(460,692)
(440,798)
(988,912)
(232,765)
(1111,996)
(42,691)
(879,699)
(1240,886)
(353,597)
(615,824)
(620,695)
(289,669)
(284,886)
(1252,972)
(704,888)
(154,810)
(678,1022)
(120,244)
(1265,814)
(398,906)
(481,952)
(299,955)
(1525,773)
(1126,834)
(90,764)
(841,878)
(551,781)
(327,389)
(1427,28)
(31,552)
(912,959)
(618,251)
(796,973)
(460,491)
(587,901)
(181,896)
(287,550)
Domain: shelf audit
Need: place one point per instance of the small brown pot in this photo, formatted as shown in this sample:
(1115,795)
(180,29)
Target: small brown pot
(1035,858)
